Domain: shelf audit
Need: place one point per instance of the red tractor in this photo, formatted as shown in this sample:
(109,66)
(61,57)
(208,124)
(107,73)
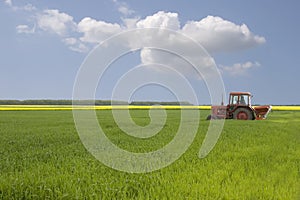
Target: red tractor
(239,107)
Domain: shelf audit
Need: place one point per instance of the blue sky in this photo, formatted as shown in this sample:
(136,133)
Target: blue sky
(255,44)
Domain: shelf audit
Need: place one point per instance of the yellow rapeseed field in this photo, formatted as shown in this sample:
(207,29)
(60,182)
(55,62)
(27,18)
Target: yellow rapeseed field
(51,107)
(285,107)
(62,107)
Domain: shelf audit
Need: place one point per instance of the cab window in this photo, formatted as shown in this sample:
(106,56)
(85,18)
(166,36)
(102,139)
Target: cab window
(244,99)
(235,99)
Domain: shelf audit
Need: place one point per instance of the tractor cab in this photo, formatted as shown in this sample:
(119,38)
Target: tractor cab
(240,98)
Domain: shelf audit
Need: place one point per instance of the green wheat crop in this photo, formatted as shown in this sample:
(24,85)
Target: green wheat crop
(42,157)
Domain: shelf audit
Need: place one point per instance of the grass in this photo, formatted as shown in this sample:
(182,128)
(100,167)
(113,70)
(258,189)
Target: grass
(42,157)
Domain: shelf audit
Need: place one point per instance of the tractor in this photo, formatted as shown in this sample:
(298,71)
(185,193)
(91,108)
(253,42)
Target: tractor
(240,108)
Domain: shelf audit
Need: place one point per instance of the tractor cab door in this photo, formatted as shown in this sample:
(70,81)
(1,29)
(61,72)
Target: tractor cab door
(233,100)
(239,100)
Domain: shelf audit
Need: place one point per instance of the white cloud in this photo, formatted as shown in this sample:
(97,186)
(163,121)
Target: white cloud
(70,41)
(219,35)
(75,45)
(153,58)
(28,7)
(56,22)
(214,33)
(130,23)
(96,31)
(160,19)
(23,28)
(238,69)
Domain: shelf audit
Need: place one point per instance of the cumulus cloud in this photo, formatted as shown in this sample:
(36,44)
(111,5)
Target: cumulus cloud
(214,33)
(63,25)
(96,31)
(56,22)
(239,68)
(130,23)
(160,20)
(219,35)
(154,58)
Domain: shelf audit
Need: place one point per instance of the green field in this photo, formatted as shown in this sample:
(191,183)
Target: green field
(42,157)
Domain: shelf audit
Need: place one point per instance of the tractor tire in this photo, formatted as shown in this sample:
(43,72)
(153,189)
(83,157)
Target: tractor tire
(209,117)
(243,114)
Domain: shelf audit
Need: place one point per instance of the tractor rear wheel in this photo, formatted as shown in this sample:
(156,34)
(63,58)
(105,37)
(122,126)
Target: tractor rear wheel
(242,114)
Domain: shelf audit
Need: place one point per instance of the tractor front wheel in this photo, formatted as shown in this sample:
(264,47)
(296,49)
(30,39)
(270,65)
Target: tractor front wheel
(209,117)
(242,114)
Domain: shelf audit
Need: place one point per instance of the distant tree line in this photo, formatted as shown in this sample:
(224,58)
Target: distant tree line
(86,102)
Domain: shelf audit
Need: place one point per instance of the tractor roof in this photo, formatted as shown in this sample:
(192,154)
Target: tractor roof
(240,93)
